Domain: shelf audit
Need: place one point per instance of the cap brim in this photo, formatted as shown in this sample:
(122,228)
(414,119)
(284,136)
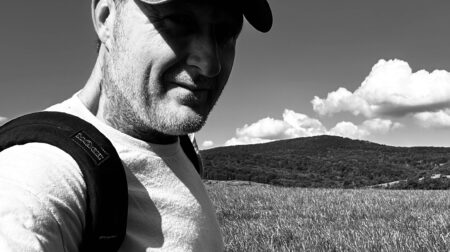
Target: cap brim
(155,1)
(257,12)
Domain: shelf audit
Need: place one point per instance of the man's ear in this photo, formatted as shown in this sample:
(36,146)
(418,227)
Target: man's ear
(103,13)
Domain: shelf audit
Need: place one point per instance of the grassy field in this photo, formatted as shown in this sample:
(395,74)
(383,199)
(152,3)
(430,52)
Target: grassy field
(264,218)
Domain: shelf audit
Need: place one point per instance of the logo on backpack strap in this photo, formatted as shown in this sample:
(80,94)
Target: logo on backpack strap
(94,150)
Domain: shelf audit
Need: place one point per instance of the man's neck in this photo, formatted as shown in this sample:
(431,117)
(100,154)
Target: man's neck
(92,91)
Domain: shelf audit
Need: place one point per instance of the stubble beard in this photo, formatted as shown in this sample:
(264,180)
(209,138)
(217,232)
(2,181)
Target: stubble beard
(136,111)
(141,114)
(132,104)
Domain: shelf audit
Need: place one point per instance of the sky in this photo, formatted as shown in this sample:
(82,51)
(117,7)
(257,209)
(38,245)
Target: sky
(369,70)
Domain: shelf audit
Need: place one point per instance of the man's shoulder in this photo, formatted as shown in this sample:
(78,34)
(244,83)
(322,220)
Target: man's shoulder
(43,198)
(41,168)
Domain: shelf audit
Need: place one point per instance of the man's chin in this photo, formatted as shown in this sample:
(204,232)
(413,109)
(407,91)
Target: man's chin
(185,123)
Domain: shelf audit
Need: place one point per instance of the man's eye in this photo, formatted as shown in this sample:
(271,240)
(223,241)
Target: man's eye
(226,33)
(179,19)
(179,25)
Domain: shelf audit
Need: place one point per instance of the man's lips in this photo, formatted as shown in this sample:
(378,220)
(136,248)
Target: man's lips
(192,86)
(189,93)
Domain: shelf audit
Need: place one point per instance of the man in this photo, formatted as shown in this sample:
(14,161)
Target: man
(161,67)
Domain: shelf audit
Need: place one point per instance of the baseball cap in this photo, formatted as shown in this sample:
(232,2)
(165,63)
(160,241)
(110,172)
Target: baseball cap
(257,12)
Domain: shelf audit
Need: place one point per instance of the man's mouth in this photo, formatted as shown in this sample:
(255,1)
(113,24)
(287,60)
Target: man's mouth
(190,94)
(192,86)
(190,81)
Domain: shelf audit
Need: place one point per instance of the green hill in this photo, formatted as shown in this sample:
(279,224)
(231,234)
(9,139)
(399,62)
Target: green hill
(324,161)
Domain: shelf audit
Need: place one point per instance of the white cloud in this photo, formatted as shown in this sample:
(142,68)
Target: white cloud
(340,100)
(365,129)
(293,125)
(267,128)
(350,130)
(391,89)
(299,125)
(380,125)
(245,140)
(3,120)
(439,119)
(207,143)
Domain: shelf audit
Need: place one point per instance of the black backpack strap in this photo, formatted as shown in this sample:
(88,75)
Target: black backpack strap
(107,192)
(191,150)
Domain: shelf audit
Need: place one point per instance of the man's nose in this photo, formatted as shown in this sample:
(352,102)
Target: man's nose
(204,55)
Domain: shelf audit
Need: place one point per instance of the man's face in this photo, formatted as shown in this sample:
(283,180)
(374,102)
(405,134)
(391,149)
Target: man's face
(168,64)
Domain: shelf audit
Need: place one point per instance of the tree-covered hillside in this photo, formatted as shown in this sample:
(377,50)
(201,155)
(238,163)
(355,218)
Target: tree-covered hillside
(323,161)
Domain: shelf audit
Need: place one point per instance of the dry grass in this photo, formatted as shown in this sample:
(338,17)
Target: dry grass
(263,218)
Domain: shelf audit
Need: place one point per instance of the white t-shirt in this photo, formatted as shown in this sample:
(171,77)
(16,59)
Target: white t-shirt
(43,198)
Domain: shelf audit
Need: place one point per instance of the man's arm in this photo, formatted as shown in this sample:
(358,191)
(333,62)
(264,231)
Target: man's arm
(42,199)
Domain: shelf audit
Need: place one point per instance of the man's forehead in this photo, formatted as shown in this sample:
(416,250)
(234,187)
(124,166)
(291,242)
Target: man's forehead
(156,2)
(206,8)
(257,12)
